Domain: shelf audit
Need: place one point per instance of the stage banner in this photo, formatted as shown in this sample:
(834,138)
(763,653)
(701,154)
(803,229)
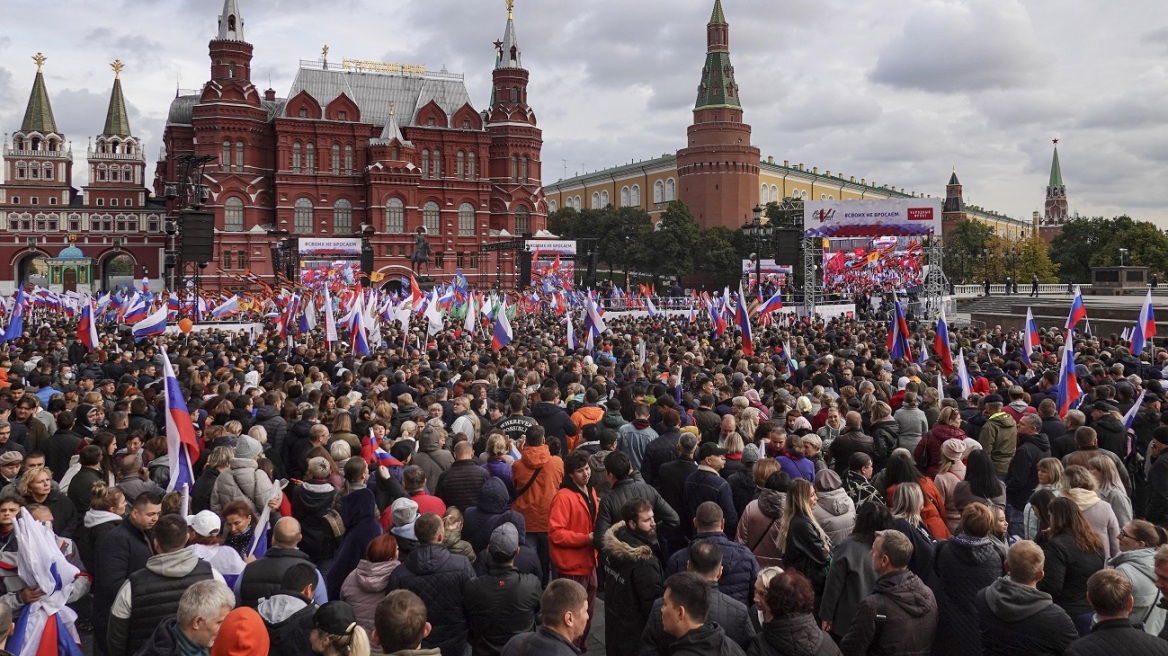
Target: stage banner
(329,247)
(553,263)
(337,275)
(768,268)
(901,217)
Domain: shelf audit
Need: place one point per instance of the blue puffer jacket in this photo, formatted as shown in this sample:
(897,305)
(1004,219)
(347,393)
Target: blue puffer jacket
(437,577)
(494,508)
(739,566)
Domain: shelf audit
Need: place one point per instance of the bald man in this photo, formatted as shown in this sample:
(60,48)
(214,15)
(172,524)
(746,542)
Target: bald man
(261,578)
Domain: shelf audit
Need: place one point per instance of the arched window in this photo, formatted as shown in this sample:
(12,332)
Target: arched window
(764,194)
(526,179)
(466,220)
(239,157)
(302,217)
(514,168)
(436,164)
(225,160)
(310,156)
(624,197)
(775,194)
(342,217)
(49,171)
(670,190)
(604,198)
(233,215)
(102,172)
(432,218)
(336,159)
(522,220)
(296,157)
(460,165)
(552,206)
(348,159)
(22,171)
(635,196)
(425,163)
(596,200)
(395,216)
(472,173)
(127,173)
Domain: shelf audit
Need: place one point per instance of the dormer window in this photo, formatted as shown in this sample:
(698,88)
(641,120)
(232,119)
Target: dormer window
(303,112)
(430,122)
(343,115)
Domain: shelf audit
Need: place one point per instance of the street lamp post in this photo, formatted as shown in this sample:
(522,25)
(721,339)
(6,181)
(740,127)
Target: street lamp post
(1123,256)
(759,230)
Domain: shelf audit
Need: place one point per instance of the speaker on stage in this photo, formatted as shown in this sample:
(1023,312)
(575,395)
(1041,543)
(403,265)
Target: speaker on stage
(524,269)
(197,230)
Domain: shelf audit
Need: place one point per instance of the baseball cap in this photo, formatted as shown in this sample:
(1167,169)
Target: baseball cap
(707,449)
(504,540)
(404,512)
(335,618)
(206,523)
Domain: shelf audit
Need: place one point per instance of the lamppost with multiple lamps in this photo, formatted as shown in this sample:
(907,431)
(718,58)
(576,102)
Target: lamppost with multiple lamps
(761,231)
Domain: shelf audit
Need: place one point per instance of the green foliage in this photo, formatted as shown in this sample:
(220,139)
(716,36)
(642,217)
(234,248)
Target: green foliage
(721,255)
(964,246)
(1095,242)
(671,249)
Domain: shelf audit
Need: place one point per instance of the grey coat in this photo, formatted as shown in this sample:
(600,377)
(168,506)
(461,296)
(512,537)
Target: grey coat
(244,481)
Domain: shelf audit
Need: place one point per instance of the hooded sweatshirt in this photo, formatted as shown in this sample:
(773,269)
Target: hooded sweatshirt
(1099,515)
(1018,619)
(835,511)
(535,502)
(288,617)
(242,634)
(493,509)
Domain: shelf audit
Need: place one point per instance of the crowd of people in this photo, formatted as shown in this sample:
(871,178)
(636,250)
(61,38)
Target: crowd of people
(458,500)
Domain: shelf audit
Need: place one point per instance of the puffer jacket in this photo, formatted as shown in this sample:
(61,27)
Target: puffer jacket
(493,509)
(1066,572)
(849,579)
(1019,620)
(277,429)
(999,438)
(500,605)
(929,448)
(459,485)
(437,577)
(432,459)
(573,514)
(310,501)
(535,503)
(1138,566)
(962,566)
(364,588)
(610,505)
(1022,476)
(739,566)
(632,582)
(1111,434)
(835,512)
(911,623)
(244,480)
(796,634)
(885,438)
(759,527)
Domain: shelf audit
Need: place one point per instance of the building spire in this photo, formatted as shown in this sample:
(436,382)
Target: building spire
(38,116)
(117,120)
(718,88)
(507,52)
(1056,172)
(231,22)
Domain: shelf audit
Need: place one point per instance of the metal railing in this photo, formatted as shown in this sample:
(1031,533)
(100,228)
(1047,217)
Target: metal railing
(973,291)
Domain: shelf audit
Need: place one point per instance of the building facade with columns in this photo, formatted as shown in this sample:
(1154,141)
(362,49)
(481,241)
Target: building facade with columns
(719,174)
(360,147)
(107,234)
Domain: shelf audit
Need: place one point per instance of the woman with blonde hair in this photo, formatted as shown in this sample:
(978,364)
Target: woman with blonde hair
(759,613)
(906,512)
(734,446)
(497,460)
(1050,478)
(409,430)
(1110,488)
(748,422)
(1079,486)
(806,547)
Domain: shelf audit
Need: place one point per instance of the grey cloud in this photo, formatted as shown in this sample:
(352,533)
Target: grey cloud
(962,47)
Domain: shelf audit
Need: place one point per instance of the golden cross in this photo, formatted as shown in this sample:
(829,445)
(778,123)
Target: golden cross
(510,8)
(324,53)
(40,61)
(118,66)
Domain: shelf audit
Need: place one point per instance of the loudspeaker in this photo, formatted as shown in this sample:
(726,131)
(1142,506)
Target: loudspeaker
(789,247)
(198,236)
(524,269)
(366,257)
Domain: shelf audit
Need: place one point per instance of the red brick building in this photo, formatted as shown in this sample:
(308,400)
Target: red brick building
(107,234)
(360,144)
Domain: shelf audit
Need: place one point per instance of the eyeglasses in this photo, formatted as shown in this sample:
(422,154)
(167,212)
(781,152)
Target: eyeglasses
(1125,534)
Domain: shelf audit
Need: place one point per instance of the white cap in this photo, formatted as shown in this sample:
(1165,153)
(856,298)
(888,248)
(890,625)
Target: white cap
(205,523)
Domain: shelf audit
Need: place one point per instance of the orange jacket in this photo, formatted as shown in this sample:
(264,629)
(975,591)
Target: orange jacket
(570,526)
(586,414)
(536,502)
(933,512)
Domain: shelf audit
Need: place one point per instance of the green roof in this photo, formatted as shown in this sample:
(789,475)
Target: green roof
(1056,172)
(718,88)
(38,117)
(718,17)
(117,121)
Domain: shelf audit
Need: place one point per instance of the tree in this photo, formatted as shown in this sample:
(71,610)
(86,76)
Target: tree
(965,247)
(671,248)
(1087,243)
(621,233)
(721,258)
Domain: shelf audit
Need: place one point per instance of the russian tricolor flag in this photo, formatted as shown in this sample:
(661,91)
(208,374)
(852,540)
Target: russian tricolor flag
(226,308)
(773,303)
(357,332)
(1145,328)
(742,320)
(963,375)
(259,539)
(1078,310)
(898,344)
(151,326)
(789,357)
(941,345)
(1029,337)
(1068,392)
(46,627)
(180,430)
(1130,417)
(503,334)
(87,326)
(572,344)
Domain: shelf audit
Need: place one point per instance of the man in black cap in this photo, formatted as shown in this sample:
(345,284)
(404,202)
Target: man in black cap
(503,602)
(107,386)
(1109,428)
(706,484)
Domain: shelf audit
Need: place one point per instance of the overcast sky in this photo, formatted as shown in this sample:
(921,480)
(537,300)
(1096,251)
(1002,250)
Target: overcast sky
(895,91)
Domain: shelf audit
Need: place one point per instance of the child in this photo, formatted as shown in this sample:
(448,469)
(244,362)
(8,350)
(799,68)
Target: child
(452,528)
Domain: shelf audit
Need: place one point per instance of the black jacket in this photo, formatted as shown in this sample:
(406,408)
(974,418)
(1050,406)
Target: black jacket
(499,605)
(555,421)
(1066,572)
(701,486)
(164,640)
(911,623)
(670,480)
(706,640)
(202,489)
(739,568)
(742,489)
(632,581)
(962,566)
(622,492)
(269,417)
(543,642)
(1117,637)
(122,551)
(1111,434)
(310,501)
(660,450)
(437,577)
(262,578)
(805,552)
(731,615)
(493,509)
(792,635)
(459,486)
(1157,511)
(59,448)
(1018,620)
(1022,477)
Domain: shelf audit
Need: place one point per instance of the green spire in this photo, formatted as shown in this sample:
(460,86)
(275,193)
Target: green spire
(718,17)
(117,121)
(38,117)
(1056,172)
